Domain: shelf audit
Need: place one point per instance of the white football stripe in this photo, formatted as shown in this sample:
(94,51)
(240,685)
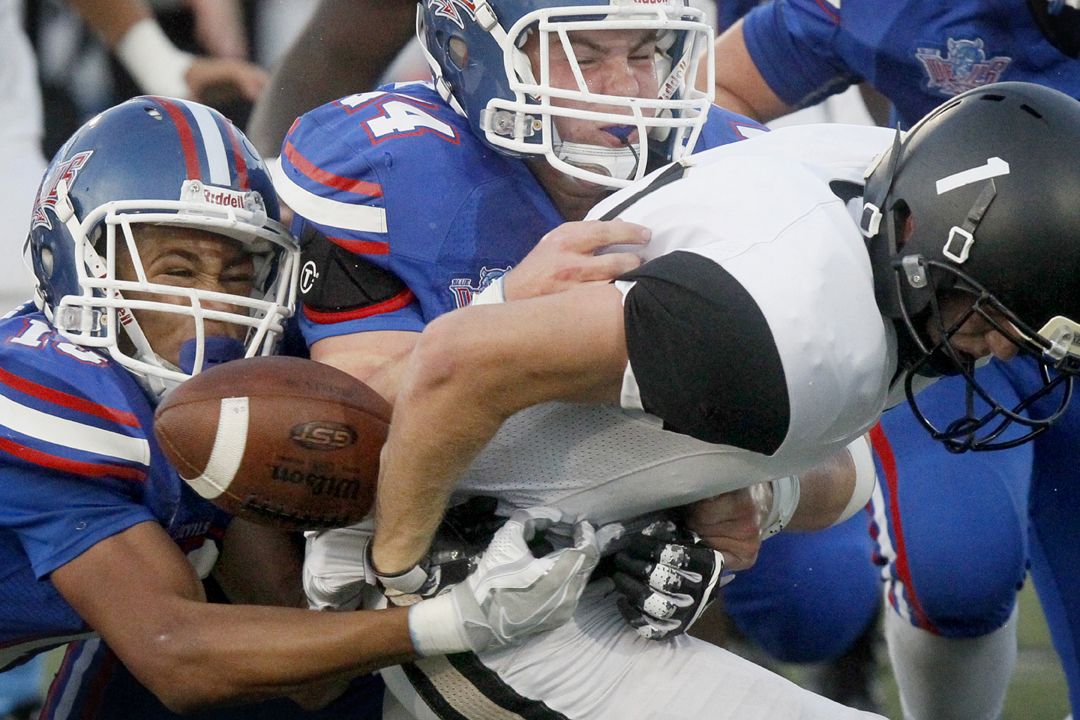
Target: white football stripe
(75,435)
(362,218)
(229,446)
(216,152)
(994,167)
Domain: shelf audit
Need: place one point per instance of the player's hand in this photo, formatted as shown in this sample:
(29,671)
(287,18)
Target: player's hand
(667,577)
(512,594)
(208,76)
(566,257)
(337,568)
(732,523)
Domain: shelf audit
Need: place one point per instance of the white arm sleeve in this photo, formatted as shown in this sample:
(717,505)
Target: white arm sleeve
(865,477)
(156,64)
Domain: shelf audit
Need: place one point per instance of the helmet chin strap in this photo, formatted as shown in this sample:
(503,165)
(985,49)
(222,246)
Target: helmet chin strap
(620,162)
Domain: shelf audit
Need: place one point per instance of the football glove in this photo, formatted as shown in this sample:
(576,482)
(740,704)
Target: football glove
(512,593)
(667,576)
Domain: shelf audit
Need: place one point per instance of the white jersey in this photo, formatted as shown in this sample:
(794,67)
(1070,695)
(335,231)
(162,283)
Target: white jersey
(799,253)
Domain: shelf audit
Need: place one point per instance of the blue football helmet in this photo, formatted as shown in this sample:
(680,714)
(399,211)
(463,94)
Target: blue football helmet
(167,162)
(475,52)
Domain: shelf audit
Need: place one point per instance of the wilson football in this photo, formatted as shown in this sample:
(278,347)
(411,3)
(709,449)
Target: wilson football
(279,441)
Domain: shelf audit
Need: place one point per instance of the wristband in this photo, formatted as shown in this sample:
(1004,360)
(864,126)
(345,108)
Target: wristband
(406,581)
(785,501)
(492,294)
(156,64)
(436,627)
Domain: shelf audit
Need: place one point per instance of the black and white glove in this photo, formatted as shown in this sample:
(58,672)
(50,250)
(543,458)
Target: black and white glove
(667,577)
(512,593)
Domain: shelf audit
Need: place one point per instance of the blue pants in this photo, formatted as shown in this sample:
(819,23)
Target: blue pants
(955,536)
(810,595)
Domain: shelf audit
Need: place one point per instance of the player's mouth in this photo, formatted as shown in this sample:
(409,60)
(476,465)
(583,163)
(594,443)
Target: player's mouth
(620,135)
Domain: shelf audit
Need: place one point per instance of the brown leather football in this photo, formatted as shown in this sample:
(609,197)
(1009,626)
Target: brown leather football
(279,441)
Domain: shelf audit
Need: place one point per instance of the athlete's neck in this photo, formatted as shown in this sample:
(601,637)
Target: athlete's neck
(573,198)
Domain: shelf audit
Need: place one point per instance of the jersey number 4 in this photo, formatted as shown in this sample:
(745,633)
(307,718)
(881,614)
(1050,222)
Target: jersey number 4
(401,119)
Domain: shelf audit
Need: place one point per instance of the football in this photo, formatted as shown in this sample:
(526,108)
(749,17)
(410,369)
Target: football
(279,441)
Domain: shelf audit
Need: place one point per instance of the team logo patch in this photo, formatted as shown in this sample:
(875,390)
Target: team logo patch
(464,291)
(449,9)
(47,196)
(964,67)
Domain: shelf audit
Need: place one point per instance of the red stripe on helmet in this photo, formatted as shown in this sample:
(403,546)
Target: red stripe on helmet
(187,137)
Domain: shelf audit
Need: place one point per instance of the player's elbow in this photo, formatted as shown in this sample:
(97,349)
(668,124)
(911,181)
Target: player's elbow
(453,355)
(176,667)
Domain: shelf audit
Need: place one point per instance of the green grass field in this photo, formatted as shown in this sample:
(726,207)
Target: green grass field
(1037,691)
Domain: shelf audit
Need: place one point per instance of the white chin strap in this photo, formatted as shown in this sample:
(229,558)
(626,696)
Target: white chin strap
(620,163)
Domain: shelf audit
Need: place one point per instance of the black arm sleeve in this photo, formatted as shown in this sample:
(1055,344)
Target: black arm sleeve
(703,354)
(334,280)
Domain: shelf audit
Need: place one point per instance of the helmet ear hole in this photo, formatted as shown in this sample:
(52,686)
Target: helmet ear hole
(458,52)
(46,262)
(904,223)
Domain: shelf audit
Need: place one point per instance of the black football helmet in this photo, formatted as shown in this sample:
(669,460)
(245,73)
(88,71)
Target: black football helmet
(983,197)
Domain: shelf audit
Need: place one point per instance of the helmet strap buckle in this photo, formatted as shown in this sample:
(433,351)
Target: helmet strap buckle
(870,222)
(965,240)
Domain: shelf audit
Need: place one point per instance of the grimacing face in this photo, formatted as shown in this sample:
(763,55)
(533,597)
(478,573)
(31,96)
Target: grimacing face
(184,258)
(612,62)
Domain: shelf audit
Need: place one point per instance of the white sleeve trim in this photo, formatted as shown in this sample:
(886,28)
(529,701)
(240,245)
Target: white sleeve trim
(361,218)
(786,493)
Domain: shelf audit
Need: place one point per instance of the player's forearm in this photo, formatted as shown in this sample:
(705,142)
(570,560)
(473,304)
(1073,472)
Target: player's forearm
(471,370)
(111,18)
(210,655)
(836,489)
(336,54)
(740,86)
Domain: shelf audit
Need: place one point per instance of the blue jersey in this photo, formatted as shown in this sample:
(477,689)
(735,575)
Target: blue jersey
(918,53)
(78,464)
(418,211)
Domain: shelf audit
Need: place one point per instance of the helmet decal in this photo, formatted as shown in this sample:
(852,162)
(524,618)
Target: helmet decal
(66,171)
(448,9)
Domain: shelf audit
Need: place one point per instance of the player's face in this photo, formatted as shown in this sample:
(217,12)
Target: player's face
(612,62)
(185,258)
(977,337)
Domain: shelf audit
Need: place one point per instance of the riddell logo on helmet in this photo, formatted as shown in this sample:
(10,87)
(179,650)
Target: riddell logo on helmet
(224,197)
